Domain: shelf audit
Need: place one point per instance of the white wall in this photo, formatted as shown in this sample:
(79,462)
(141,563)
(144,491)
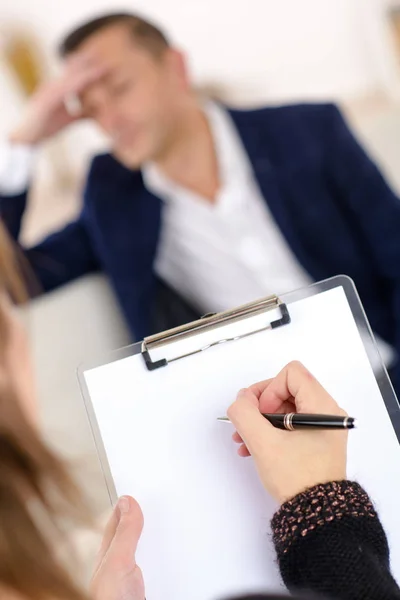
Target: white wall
(262,49)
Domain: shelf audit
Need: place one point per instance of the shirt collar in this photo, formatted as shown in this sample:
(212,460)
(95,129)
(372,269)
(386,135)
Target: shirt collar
(233,161)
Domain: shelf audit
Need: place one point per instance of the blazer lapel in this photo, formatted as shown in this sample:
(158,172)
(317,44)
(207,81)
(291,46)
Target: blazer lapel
(268,176)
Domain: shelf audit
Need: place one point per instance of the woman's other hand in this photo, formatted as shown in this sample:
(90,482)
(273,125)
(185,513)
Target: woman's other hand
(117,576)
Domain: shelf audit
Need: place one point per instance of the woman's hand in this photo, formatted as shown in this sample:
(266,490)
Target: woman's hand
(289,462)
(117,576)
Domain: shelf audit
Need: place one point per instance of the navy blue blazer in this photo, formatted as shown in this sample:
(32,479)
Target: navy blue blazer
(330,201)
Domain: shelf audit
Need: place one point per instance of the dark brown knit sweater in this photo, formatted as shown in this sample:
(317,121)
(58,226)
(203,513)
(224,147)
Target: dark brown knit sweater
(330,544)
(329,540)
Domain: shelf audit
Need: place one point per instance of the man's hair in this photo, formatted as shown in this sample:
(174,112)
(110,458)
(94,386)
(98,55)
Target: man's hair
(147,35)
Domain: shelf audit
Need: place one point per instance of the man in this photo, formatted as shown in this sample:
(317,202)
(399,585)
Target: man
(199,208)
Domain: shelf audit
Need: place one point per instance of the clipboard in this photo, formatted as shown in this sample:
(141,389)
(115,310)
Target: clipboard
(214,343)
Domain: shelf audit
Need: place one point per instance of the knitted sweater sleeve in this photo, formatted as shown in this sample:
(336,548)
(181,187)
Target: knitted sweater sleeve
(329,541)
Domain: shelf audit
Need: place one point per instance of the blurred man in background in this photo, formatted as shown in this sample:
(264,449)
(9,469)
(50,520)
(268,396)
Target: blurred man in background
(199,208)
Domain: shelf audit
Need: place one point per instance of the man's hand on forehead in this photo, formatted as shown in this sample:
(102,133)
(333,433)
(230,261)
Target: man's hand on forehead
(81,70)
(56,104)
(81,60)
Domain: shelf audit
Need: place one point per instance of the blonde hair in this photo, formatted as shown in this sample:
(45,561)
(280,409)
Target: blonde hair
(34,484)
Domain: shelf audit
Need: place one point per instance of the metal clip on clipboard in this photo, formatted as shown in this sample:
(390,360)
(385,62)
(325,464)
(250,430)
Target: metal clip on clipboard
(210,322)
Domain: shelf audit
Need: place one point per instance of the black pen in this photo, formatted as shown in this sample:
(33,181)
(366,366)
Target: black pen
(292,421)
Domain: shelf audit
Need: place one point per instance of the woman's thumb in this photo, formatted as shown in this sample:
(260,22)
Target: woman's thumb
(245,415)
(124,544)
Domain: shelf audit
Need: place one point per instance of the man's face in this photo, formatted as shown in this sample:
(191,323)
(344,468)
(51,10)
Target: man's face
(138,101)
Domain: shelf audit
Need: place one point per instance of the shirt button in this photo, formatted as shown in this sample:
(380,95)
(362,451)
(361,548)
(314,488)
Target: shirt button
(252,252)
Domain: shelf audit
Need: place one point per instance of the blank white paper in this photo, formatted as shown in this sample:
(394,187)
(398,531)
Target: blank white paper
(207,533)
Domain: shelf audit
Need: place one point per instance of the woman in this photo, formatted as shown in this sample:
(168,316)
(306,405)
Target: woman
(327,534)
(37,496)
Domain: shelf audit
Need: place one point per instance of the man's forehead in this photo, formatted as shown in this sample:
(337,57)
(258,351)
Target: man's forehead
(108,44)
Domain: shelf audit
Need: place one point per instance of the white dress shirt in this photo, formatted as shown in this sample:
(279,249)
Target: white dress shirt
(16,166)
(224,254)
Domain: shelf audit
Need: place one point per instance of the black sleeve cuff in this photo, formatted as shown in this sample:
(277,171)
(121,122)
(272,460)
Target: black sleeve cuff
(316,507)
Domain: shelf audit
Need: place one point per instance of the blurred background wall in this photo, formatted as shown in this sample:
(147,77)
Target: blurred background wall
(260,49)
(257,50)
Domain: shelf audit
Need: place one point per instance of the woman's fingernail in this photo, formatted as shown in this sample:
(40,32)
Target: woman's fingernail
(124,505)
(242,391)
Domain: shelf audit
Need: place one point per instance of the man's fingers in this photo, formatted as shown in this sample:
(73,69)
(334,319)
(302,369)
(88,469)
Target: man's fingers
(72,86)
(76,80)
(88,76)
(78,60)
(77,63)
